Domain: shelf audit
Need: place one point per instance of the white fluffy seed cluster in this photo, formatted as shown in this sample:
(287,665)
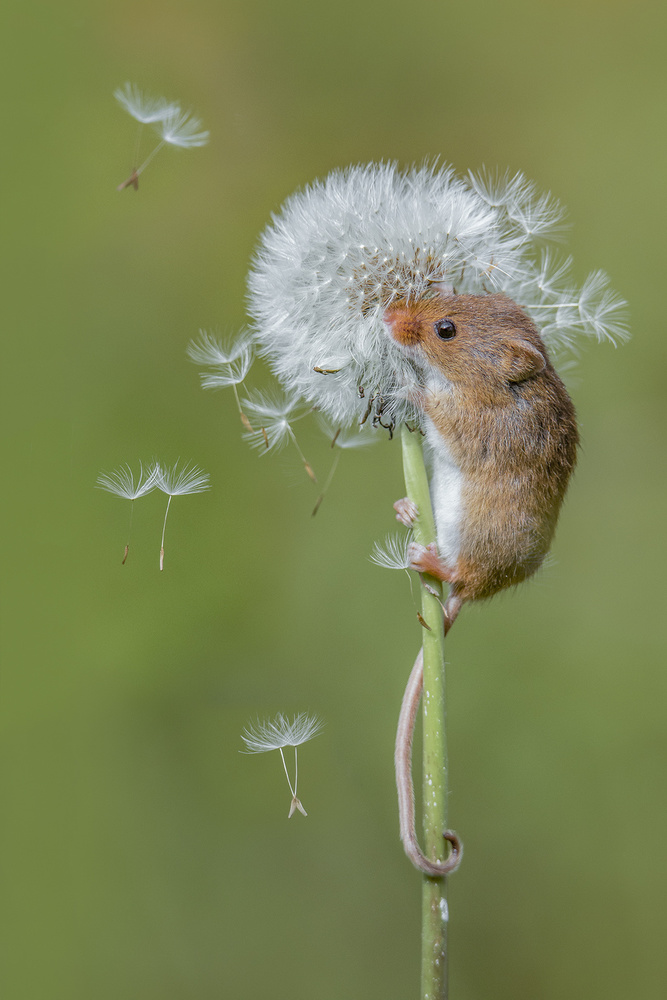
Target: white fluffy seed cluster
(341,251)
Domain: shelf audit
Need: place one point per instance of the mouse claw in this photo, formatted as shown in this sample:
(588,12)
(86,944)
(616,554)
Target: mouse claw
(407,511)
(426,559)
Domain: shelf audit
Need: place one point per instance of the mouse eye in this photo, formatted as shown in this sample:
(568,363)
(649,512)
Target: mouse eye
(445,329)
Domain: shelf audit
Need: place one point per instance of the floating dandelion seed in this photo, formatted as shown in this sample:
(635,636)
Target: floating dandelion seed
(174,126)
(121,482)
(178,482)
(278,733)
(230,365)
(275,413)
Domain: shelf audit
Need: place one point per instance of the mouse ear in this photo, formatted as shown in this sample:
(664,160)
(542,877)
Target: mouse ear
(522,361)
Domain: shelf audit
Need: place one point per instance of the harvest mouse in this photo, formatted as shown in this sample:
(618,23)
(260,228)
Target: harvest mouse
(502,436)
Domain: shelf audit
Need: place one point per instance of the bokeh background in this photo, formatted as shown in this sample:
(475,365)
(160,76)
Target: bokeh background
(143,856)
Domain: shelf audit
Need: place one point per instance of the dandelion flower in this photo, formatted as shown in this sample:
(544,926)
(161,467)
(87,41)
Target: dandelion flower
(278,733)
(122,483)
(178,482)
(341,251)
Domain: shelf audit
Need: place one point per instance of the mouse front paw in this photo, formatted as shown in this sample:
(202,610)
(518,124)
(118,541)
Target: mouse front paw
(426,559)
(407,511)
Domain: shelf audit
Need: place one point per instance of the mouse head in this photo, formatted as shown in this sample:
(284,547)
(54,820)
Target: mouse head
(469,339)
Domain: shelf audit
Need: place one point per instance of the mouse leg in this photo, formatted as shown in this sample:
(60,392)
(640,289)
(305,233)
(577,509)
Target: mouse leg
(423,558)
(426,559)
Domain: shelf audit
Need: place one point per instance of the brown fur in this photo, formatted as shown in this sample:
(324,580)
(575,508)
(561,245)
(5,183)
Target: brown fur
(508,423)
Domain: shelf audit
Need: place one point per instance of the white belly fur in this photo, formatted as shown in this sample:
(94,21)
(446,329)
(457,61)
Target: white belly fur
(446,486)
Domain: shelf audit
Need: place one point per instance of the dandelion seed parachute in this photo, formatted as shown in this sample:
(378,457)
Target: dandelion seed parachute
(143,108)
(277,733)
(178,129)
(341,251)
(275,413)
(122,483)
(209,351)
(181,481)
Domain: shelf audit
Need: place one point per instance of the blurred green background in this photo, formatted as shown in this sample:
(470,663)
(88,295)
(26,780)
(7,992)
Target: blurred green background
(143,856)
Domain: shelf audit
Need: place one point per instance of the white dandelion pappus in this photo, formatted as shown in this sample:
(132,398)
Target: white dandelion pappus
(178,482)
(121,482)
(392,553)
(278,733)
(178,128)
(230,364)
(141,107)
(231,373)
(209,351)
(539,214)
(275,413)
(342,250)
(181,481)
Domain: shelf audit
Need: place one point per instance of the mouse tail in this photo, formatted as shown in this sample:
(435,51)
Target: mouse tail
(403,763)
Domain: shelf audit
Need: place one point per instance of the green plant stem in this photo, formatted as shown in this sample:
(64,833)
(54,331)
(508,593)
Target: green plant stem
(434,764)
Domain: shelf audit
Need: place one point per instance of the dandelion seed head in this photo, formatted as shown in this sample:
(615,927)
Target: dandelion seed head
(280,732)
(342,250)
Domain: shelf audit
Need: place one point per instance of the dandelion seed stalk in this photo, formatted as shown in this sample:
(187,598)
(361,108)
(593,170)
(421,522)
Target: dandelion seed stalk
(434,761)
(164,528)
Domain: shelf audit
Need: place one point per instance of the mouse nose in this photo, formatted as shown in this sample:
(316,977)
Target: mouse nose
(403,327)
